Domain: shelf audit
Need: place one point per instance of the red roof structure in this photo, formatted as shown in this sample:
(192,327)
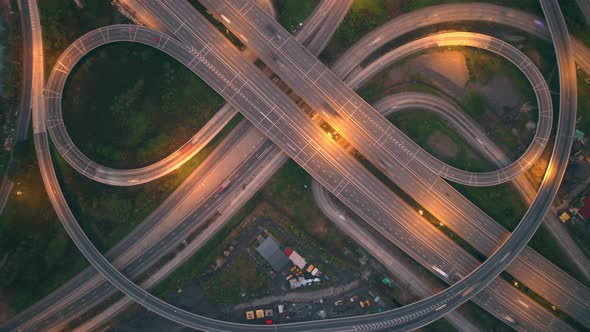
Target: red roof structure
(288,251)
(584,211)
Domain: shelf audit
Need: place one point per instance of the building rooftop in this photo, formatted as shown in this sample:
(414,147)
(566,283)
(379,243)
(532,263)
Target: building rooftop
(269,249)
(297,259)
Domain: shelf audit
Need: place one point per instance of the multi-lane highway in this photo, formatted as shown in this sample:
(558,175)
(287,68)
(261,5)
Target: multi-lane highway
(477,138)
(126,177)
(499,298)
(360,51)
(191,206)
(130,177)
(114,275)
(394,157)
(85,290)
(538,325)
(493,45)
(450,13)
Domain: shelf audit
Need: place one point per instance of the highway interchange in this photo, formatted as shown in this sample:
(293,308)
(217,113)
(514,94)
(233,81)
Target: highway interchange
(190,50)
(465,39)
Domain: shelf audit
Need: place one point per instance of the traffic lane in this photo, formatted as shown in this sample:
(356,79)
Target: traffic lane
(145,231)
(267,32)
(79,46)
(254,23)
(333,20)
(147,226)
(200,215)
(258,17)
(471,132)
(24,117)
(500,298)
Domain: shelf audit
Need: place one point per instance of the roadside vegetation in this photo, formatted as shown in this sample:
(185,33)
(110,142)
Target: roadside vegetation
(574,18)
(581,235)
(292,12)
(583,113)
(438,138)
(362,18)
(126,123)
(108,213)
(285,200)
(63,23)
(239,277)
(506,207)
(11,51)
(532,6)
(488,88)
(37,255)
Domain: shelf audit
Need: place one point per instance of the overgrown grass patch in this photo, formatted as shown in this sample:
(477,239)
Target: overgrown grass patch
(420,126)
(574,18)
(526,5)
(238,281)
(292,12)
(505,206)
(474,105)
(40,255)
(63,22)
(128,105)
(363,16)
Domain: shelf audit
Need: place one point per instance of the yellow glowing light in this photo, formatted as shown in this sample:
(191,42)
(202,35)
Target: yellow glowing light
(225,19)
(516,283)
(19,193)
(421,212)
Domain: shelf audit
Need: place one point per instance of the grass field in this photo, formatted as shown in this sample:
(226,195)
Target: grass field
(40,256)
(63,22)
(583,113)
(238,281)
(532,6)
(286,201)
(421,126)
(10,75)
(363,16)
(505,206)
(292,12)
(128,105)
(580,234)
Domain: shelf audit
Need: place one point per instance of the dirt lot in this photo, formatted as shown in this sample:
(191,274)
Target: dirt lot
(444,145)
(501,95)
(446,67)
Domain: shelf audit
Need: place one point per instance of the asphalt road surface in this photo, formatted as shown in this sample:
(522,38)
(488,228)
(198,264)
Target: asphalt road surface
(380,324)
(120,282)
